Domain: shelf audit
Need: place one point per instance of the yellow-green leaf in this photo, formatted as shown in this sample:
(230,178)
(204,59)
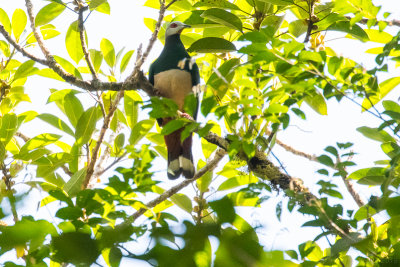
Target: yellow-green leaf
(125,60)
(18,23)
(317,103)
(73,42)
(183,202)
(212,45)
(384,88)
(223,17)
(86,126)
(73,186)
(48,13)
(140,130)
(5,21)
(8,127)
(204,181)
(108,51)
(131,107)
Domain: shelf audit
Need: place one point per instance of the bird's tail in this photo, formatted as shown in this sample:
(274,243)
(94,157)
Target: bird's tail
(180,159)
(187,158)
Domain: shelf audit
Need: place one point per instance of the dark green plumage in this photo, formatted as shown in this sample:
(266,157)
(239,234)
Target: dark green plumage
(175,76)
(173,52)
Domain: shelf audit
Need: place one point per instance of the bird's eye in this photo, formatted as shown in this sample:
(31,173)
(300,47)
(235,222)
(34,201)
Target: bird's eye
(173,25)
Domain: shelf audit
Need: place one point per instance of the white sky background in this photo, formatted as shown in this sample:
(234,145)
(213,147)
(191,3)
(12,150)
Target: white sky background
(125,28)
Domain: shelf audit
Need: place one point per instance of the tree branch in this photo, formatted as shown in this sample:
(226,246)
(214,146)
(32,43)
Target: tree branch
(349,185)
(393,22)
(219,154)
(83,43)
(95,151)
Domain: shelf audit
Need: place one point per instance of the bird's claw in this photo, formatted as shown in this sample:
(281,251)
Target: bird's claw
(186,116)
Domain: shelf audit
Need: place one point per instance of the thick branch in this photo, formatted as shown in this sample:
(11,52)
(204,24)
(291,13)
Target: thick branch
(347,182)
(21,49)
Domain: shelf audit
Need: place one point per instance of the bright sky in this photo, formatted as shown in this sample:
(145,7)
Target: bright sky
(125,28)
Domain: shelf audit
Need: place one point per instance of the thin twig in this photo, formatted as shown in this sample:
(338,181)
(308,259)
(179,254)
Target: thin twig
(349,184)
(393,22)
(83,43)
(95,151)
(219,154)
(152,40)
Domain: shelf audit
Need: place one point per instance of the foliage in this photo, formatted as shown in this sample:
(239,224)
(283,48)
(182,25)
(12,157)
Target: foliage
(262,61)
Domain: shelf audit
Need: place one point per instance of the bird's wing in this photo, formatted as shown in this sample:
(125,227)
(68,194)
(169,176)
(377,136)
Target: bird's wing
(195,73)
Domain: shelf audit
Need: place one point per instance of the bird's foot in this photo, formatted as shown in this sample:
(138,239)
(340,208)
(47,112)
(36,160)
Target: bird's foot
(186,116)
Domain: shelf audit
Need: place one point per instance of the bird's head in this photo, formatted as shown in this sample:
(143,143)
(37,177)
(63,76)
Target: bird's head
(175,27)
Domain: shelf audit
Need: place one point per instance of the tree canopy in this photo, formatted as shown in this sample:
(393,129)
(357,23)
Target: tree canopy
(95,165)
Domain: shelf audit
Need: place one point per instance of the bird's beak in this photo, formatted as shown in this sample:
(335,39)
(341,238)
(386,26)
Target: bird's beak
(187,26)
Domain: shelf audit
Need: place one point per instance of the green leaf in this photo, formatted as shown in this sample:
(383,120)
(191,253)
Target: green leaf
(204,181)
(74,184)
(279,2)
(298,27)
(26,231)
(317,103)
(376,134)
(212,45)
(48,31)
(223,17)
(69,213)
(76,152)
(73,108)
(73,42)
(391,106)
(18,23)
(68,66)
(125,60)
(76,248)
(181,5)
(224,209)
(48,13)
(364,212)
(5,21)
(311,56)
(95,3)
(243,199)
(369,176)
(334,64)
(108,51)
(26,69)
(86,126)
(172,126)
(217,3)
(8,127)
(56,122)
(236,181)
(140,130)
(326,160)
(183,202)
(131,107)
(39,141)
(378,36)
(384,88)
(119,142)
(392,206)
(226,74)
(97,58)
(104,8)
(2,152)
(355,30)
